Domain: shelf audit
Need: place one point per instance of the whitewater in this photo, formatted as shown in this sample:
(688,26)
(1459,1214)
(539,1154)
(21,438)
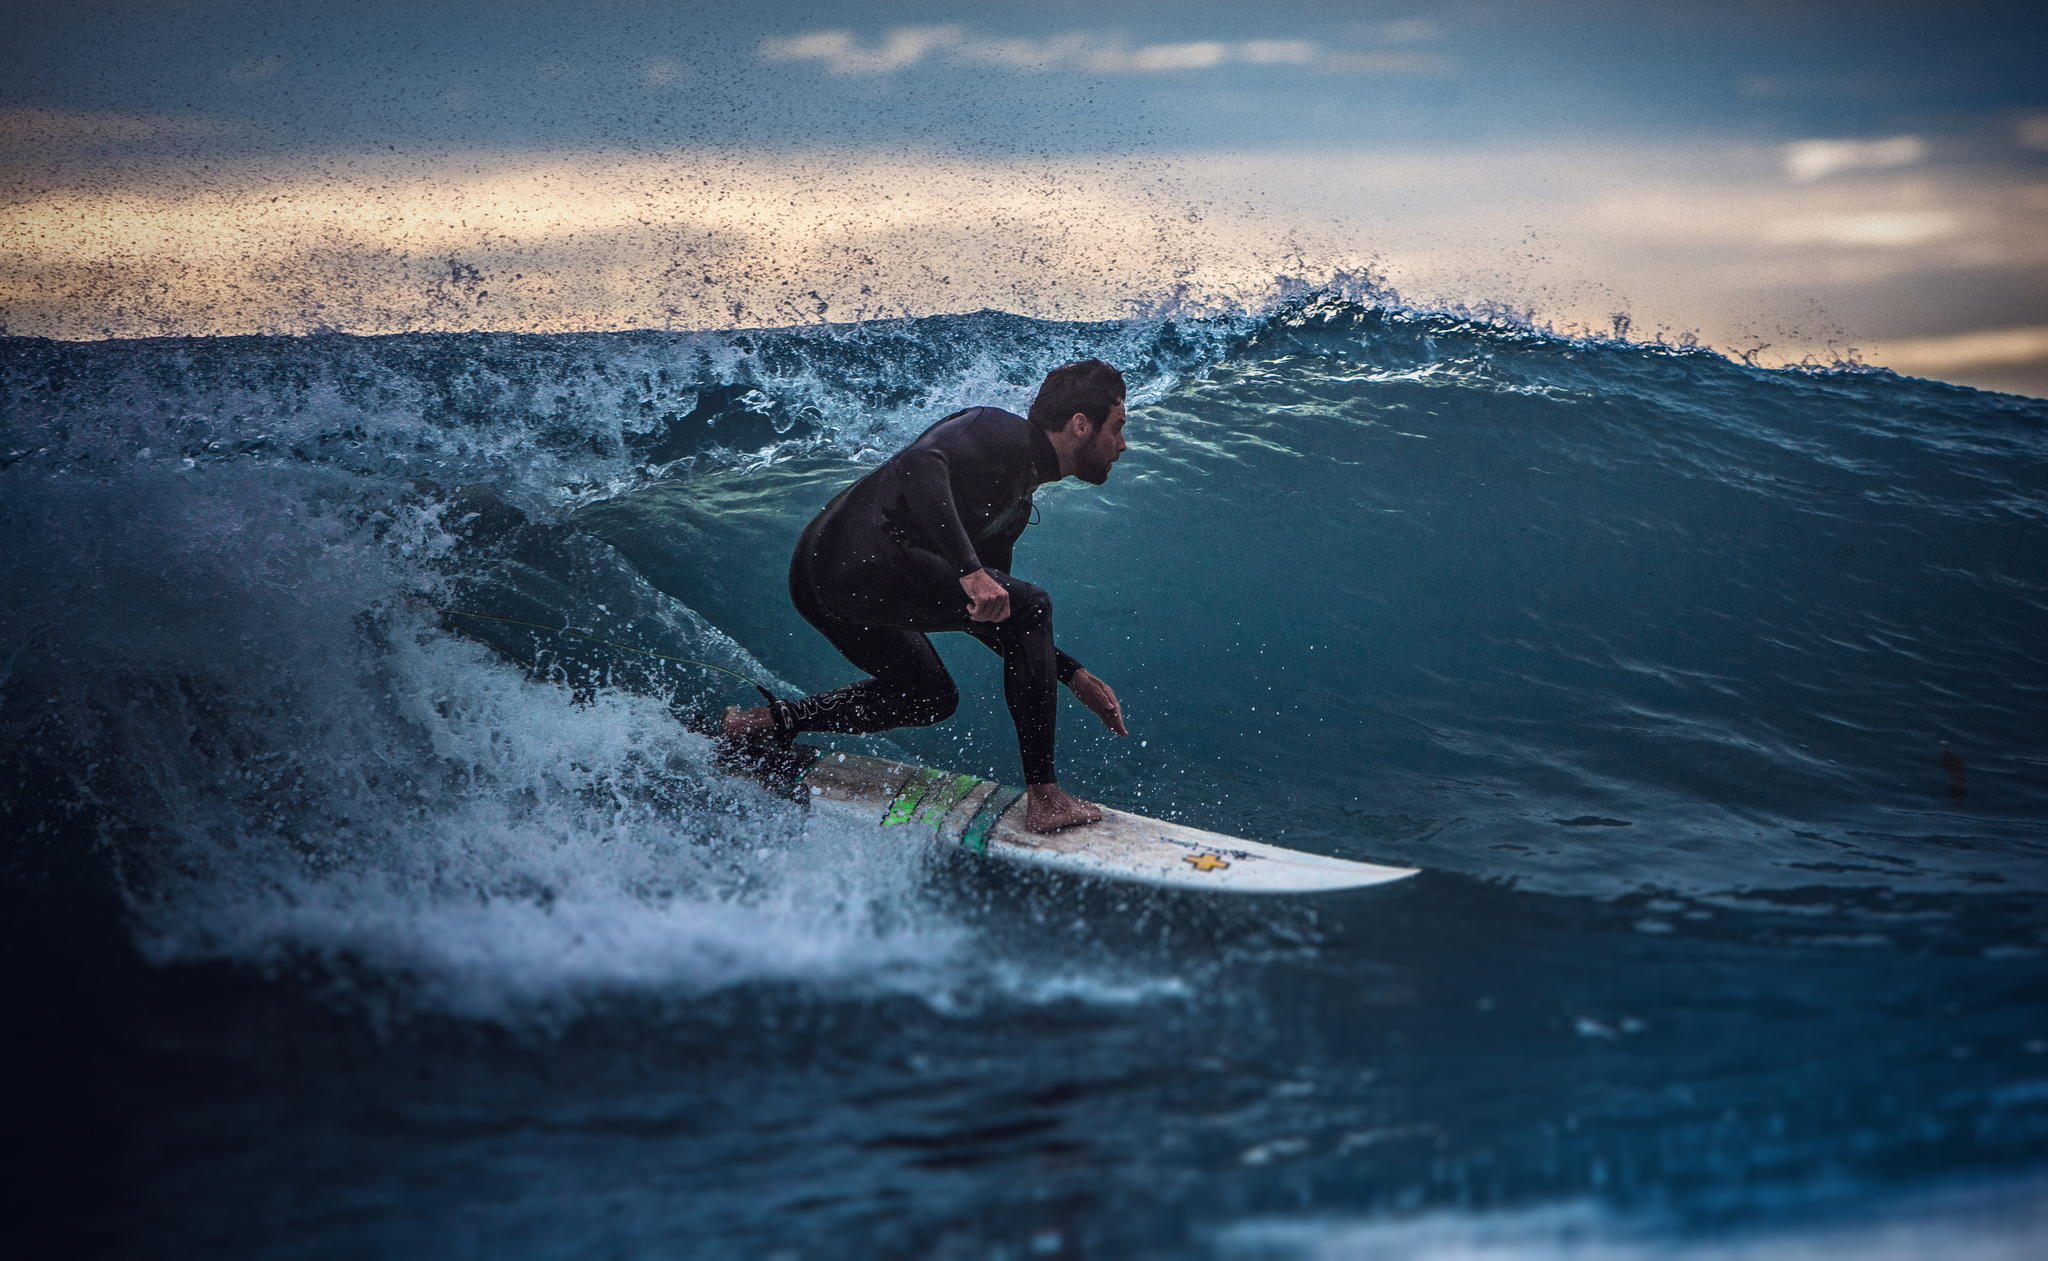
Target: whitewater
(1709,698)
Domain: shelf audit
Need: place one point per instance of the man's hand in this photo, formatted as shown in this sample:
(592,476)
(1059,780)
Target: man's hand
(986,599)
(1095,694)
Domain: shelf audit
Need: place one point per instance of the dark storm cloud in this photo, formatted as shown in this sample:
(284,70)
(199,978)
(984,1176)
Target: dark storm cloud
(1050,77)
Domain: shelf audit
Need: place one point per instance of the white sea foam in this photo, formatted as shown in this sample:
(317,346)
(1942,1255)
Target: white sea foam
(301,766)
(1993,1221)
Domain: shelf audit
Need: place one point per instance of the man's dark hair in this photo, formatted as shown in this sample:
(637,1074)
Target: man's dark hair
(1090,387)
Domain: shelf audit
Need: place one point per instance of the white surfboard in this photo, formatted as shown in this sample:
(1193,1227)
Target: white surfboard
(986,817)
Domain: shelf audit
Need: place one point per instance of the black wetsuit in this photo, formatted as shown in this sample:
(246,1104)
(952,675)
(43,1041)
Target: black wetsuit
(882,564)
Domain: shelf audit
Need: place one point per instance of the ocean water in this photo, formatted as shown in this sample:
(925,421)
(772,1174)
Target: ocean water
(1712,700)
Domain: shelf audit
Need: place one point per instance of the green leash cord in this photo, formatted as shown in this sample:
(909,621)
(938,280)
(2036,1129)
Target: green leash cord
(767,695)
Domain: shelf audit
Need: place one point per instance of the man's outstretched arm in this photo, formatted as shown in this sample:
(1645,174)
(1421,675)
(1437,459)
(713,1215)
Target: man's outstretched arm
(1091,691)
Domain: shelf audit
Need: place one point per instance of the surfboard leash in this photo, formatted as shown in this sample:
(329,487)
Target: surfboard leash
(766,695)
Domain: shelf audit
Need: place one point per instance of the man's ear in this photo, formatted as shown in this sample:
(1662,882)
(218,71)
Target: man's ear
(1079,426)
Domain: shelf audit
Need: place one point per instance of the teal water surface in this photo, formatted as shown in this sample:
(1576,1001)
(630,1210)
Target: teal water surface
(1708,697)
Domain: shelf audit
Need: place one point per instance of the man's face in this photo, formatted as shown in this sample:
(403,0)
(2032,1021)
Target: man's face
(1103,447)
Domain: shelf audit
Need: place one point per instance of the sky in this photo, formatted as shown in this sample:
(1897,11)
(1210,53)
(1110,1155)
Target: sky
(1784,181)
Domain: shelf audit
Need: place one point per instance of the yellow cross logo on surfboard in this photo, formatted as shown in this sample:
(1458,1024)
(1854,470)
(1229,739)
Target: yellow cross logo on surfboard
(1205,862)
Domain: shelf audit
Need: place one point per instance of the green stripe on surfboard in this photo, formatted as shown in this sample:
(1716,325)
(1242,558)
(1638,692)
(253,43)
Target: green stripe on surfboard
(910,795)
(942,799)
(975,835)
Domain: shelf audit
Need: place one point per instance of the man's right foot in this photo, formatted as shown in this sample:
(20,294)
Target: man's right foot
(1048,808)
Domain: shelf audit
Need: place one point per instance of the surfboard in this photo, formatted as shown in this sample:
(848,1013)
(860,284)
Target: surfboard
(985,817)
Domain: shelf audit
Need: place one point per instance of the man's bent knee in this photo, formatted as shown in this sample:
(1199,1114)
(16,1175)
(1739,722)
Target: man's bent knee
(1029,606)
(934,704)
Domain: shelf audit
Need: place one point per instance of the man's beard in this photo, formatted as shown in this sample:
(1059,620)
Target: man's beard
(1092,465)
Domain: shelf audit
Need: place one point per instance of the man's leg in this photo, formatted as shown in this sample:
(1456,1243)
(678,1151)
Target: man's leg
(1031,686)
(1030,675)
(909,687)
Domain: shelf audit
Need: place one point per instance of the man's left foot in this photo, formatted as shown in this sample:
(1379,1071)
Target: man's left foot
(1048,808)
(743,726)
(743,729)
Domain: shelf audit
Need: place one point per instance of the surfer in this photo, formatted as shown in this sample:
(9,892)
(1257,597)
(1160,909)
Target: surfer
(923,544)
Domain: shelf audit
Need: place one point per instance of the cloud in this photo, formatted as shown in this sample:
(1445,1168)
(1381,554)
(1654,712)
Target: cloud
(1277,52)
(661,72)
(1964,352)
(1702,237)
(1384,63)
(1197,56)
(2032,131)
(1817,159)
(563,241)
(1030,55)
(1882,229)
(841,52)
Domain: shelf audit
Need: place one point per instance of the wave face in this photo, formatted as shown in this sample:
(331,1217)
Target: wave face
(1698,688)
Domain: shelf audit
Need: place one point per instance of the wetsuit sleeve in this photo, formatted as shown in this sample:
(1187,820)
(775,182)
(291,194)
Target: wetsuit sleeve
(995,554)
(1064,667)
(928,494)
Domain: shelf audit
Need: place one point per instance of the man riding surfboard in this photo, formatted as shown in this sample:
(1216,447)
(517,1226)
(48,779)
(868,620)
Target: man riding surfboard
(922,544)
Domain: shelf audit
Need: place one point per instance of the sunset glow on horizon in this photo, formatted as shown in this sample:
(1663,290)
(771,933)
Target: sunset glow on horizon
(1077,171)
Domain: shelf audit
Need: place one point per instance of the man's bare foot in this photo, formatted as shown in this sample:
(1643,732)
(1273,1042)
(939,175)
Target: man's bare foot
(1048,808)
(746,726)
